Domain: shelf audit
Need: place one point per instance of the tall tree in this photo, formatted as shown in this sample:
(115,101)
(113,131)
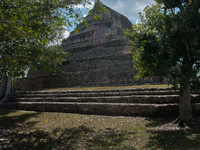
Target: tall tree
(166,43)
(26,28)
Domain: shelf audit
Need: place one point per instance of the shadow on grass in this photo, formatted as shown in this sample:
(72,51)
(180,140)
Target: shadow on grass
(63,139)
(169,140)
(4,112)
(158,121)
(170,136)
(15,121)
(22,133)
(19,133)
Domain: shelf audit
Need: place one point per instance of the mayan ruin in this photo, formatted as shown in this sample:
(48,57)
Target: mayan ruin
(98,55)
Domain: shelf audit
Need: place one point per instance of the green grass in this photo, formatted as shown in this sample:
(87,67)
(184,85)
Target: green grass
(24,130)
(109,88)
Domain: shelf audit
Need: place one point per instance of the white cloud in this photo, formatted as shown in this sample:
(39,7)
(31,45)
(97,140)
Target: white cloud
(119,6)
(87,6)
(129,8)
(79,6)
(65,34)
(90,6)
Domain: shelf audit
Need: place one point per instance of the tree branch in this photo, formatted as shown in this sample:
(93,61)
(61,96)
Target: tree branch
(186,43)
(172,12)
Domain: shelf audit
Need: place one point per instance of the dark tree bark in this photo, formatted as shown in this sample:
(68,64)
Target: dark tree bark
(185,107)
(6,89)
(2,88)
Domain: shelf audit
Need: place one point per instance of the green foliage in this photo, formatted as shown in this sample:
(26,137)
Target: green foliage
(27,28)
(100,9)
(166,42)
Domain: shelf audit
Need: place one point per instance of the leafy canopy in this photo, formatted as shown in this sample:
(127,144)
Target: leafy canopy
(27,27)
(166,41)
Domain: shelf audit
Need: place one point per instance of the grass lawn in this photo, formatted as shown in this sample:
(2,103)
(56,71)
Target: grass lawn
(63,131)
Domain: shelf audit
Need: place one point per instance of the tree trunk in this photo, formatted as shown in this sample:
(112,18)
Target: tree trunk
(2,88)
(185,108)
(7,90)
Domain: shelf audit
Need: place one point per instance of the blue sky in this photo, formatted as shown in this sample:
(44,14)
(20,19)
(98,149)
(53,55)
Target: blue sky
(128,8)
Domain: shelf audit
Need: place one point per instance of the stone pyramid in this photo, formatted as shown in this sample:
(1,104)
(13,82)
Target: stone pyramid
(98,55)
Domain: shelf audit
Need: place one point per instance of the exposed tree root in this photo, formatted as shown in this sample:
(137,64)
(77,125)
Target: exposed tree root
(178,125)
(183,124)
(7,97)
(7,90)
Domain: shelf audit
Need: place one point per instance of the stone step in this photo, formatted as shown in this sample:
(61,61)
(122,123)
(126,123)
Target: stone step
(122,109)
(116,109)
(97,94)
(98,91)
(157,99)
(92,93)
(123,102)
(154,99)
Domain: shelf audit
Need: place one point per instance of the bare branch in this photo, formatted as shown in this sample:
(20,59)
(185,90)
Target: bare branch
(172,12)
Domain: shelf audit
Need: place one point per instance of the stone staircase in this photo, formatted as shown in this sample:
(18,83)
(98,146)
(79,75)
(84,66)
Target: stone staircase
(119,102)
